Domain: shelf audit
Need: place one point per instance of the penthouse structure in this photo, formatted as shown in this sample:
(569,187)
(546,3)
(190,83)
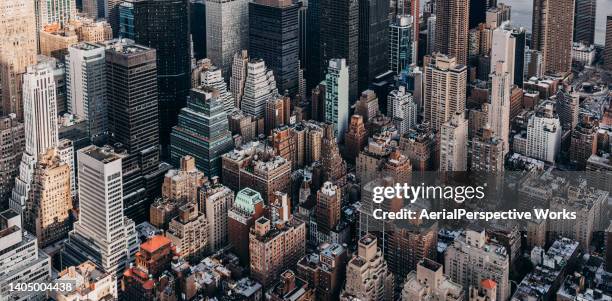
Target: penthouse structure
(428,282)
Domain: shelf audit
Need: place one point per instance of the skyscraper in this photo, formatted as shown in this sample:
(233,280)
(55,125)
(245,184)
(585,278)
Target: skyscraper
(17,51)
(552,32)
(337,91)
(487,152)
(132,99)
(544,135)
(499,113)
(215,201)
(239,74)
(402,109)
(339,38)
(54,11)
(329,199)
(202,132)
(188,231)
(213,78)
(503,50)
(401,44)
(356,137)
(367,274)
(608,45)
(584,21)
(227,31)
(86,87)
(274,37)
(373,40)
(21,261)
(274,247)
(478,11)
(259,87)
(312,61)
(152,21)
(47,212)
(112,14)
(247,208)
(453,144)
(451,34)
(40,127)
(102,233)
(12,137)
(126,20)
(445,84)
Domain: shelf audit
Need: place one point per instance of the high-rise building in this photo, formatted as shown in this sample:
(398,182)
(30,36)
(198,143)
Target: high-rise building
(332,165)
(520,47)
(12,137)
(568,108)
(40,125)
(419,145)
(608,44)
(356,137)
(312,61)
(544,135)
(274,37)
(278,110)
(241,217)
(215,201)
(132,100)
(499,113)
(367,274)
(188,231)
(54,11)
(478,11)
(197,28)
(503,50)
(239,74)
(487,152)
(401,44)
(453,144)
(112,14)
(428,282)
(583,142)
(329,199)
(403,110)
(337,93)
(17,52)
(202,131)
(126,20)
(212,77)
(275,247)
(445,89)
(373,41)
(470,259)
(552,34)
(325,271)
(102,233)
(152,19)
(48,208)
(181,185)
(452,26)
(227,31)
(339,38)
(21,261)
(584,21)
(86,87)
(259,88)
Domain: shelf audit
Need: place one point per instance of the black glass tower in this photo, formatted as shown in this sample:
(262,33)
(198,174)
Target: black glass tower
(274,37)
(373,40)
(198,28)
(164,26)
(339,34)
